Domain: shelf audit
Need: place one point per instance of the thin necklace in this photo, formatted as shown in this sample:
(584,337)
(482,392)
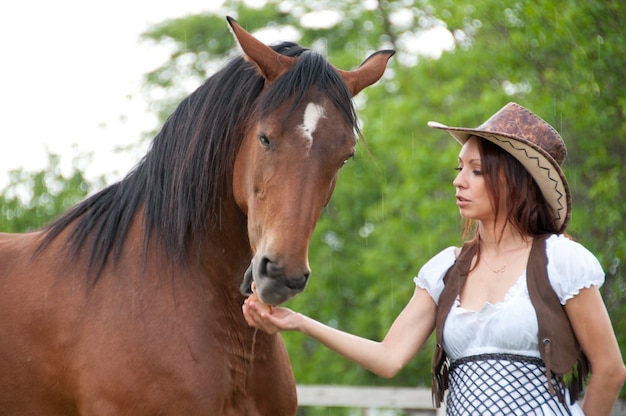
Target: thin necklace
(500,269)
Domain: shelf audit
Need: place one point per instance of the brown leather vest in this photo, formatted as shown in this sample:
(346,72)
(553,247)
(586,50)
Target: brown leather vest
(558,346)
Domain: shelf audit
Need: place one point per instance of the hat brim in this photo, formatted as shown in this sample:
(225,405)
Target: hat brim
(542,167)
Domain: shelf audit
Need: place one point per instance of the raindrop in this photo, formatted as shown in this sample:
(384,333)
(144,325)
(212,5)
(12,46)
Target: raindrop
(332,240)
(366,229)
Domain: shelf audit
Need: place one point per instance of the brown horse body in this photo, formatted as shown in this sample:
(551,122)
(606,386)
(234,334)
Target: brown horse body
(130,304)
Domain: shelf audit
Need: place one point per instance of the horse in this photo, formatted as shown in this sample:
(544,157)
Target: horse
(130,302)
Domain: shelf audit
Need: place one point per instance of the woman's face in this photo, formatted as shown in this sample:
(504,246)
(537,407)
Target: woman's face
(472,197)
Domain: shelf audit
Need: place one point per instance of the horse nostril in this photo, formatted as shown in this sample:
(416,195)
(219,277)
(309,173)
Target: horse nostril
(264,265)
(277,272)
(297,282)
(271,269)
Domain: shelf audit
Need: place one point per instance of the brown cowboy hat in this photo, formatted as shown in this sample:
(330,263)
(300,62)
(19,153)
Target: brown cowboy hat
(536,145)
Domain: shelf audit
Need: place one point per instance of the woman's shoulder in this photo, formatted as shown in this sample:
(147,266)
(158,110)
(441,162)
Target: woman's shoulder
(430,277)
(571,267)
(565,252)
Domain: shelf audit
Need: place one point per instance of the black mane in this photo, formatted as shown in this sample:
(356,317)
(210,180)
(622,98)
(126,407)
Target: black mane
(187,171)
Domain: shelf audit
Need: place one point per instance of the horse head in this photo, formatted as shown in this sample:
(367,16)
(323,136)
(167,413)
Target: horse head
(304,131)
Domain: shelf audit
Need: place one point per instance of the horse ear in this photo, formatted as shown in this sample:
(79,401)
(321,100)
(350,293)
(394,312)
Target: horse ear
(368,72)
(270,63)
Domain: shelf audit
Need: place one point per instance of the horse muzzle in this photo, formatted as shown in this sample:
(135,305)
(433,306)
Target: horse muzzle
(274,285)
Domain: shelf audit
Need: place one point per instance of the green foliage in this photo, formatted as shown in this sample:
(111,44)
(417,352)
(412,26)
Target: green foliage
(32,199)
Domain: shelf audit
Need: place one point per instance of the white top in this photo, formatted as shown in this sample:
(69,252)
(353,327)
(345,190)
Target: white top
(509,326)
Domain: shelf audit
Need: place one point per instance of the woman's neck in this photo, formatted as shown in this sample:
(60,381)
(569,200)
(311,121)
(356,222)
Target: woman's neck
(501,239)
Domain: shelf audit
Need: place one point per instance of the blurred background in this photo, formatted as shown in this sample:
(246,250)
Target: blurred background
(457,62)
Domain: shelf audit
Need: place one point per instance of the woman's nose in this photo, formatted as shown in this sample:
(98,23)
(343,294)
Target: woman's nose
(458,180)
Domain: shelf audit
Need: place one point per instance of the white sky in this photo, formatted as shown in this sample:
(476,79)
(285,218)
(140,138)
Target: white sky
(70,71)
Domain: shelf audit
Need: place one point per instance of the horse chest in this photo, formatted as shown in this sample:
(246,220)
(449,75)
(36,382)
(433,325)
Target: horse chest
(189,363)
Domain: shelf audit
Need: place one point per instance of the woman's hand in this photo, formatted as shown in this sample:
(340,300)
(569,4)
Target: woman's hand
(274,320)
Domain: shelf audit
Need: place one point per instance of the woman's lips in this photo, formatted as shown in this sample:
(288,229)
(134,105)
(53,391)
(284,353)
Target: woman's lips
(462,202)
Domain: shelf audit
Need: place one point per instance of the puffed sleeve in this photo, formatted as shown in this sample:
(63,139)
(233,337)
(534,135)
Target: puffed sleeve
(571,267)
(430,276)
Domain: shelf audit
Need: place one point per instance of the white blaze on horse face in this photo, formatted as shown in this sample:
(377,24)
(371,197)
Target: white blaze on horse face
(312,115)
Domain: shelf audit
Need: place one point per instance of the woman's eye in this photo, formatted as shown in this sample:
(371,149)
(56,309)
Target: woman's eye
(476,172)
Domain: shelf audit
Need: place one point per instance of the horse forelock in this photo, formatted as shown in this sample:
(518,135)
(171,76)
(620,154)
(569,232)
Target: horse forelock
(184,176)
(312,70)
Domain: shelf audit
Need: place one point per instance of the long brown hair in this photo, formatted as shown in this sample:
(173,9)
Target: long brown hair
(509,185)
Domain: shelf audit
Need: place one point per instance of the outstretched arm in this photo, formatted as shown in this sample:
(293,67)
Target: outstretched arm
(406,336)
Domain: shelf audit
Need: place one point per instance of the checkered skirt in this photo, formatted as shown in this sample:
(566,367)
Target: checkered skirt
(502,384)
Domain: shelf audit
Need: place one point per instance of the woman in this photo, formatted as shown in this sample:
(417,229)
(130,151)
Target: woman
(490,313)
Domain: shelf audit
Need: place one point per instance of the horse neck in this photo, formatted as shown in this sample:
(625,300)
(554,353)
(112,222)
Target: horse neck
(226,249)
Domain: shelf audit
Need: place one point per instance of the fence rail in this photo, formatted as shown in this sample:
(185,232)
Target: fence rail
(412,400)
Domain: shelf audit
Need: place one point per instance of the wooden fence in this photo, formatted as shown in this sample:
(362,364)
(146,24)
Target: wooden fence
(412,401)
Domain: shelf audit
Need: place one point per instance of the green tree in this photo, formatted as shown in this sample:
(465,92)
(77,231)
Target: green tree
(31,199)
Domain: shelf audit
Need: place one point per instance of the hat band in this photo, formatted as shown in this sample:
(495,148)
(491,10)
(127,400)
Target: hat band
(548,177)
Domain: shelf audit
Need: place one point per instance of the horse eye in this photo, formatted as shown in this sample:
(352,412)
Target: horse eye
(265,141)
(348,159)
